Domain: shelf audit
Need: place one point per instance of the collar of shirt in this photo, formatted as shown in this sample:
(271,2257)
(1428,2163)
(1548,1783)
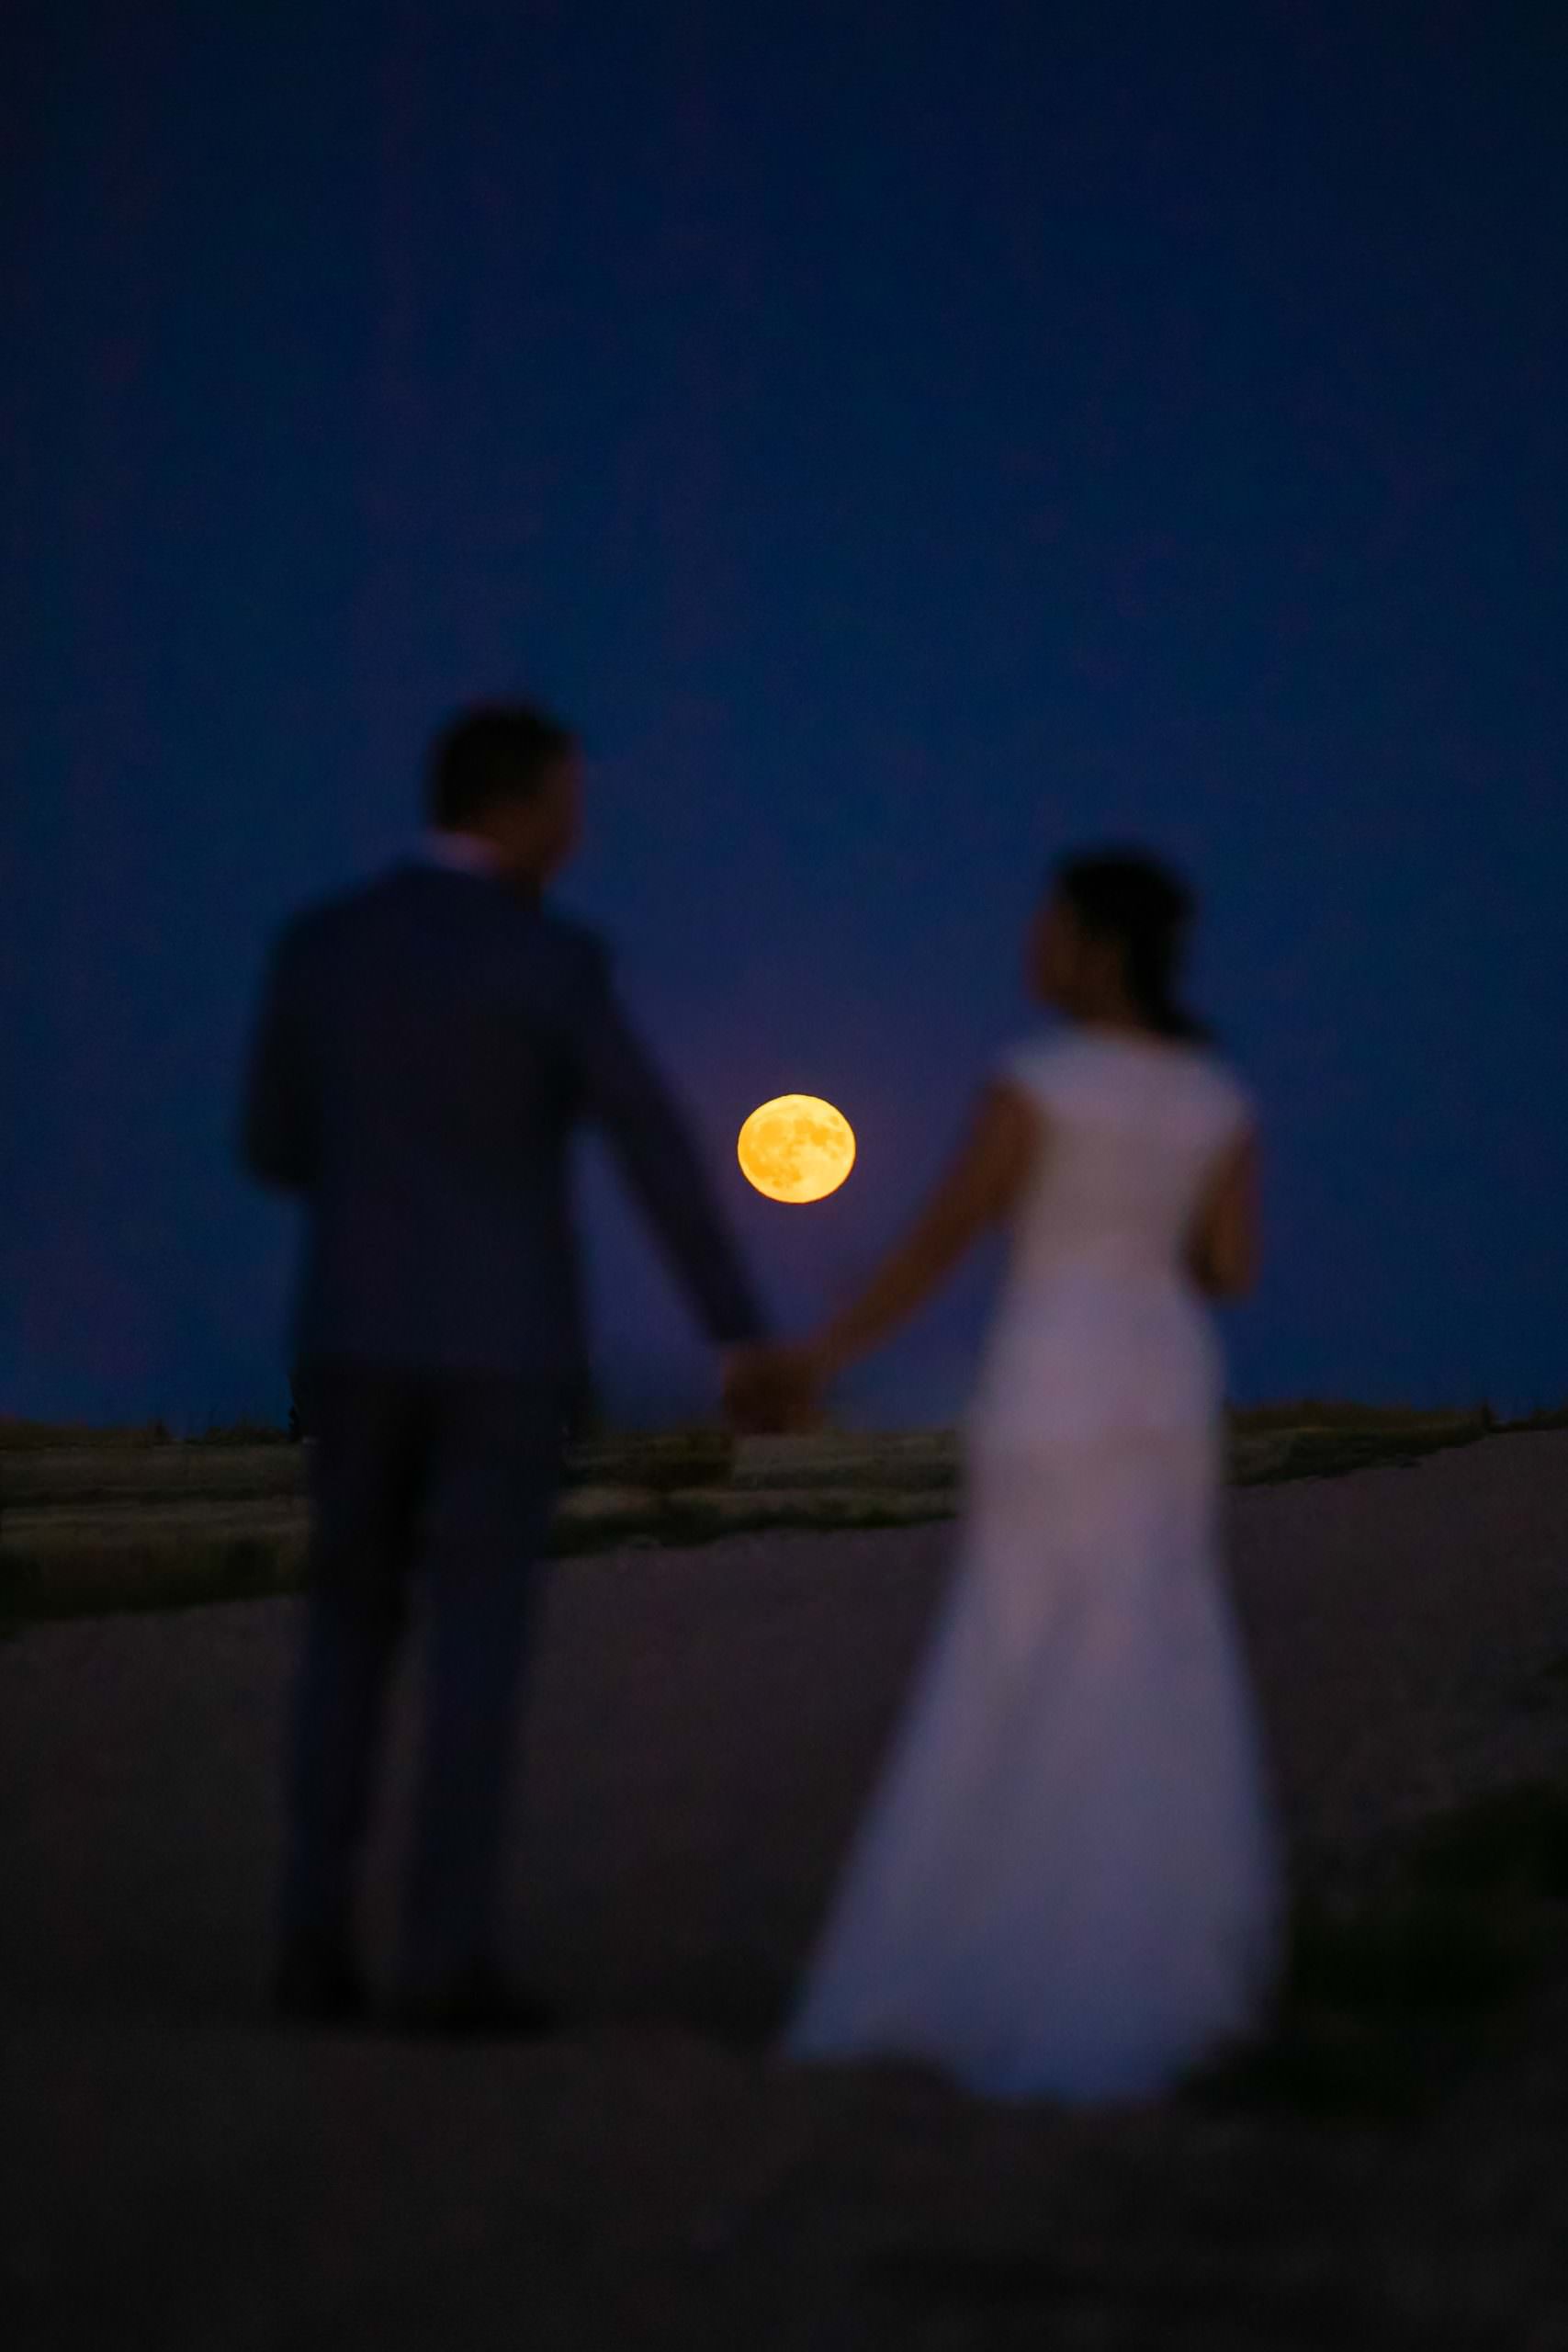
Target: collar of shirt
(463,852)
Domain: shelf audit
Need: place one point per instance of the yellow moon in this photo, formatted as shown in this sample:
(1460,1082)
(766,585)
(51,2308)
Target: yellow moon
(797,1147)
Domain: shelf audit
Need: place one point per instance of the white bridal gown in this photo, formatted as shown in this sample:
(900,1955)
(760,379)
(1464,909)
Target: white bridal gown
(1068,1882)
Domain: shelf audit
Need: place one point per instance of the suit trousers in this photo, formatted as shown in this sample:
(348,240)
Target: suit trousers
(454,1477)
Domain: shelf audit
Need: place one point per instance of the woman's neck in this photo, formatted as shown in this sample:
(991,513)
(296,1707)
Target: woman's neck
(1113,1011)
(1135,1032)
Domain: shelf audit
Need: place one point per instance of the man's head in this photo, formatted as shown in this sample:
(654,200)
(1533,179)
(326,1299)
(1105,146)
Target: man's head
(510,777)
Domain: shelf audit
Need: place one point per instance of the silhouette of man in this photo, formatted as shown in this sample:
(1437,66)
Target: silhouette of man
(425,1047)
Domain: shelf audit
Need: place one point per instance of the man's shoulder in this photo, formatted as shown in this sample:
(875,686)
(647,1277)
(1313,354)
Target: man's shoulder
(577,945)
(477,914)
(320,920)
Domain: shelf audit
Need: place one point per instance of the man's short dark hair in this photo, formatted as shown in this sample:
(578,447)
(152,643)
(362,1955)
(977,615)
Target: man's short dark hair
(497,751)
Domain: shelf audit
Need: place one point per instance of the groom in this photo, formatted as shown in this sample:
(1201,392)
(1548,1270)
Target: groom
(425,1047)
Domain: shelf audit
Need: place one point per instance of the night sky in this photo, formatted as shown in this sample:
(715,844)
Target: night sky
(907,440)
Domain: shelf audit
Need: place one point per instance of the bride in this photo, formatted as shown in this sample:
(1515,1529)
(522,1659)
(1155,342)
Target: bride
(1069,1881)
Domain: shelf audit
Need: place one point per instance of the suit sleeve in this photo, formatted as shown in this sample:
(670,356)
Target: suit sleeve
(623,1092)
(278,1130)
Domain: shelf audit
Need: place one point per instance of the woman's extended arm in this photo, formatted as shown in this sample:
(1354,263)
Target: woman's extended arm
(766,1387)
(978,1186)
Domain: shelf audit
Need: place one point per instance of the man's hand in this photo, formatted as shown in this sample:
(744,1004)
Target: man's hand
(772,1388)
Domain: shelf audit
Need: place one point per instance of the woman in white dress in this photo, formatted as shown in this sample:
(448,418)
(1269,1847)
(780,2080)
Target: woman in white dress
(1068,1882)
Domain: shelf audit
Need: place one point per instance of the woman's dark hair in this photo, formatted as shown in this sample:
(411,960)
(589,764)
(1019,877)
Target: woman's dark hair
(1131,898)
(496,752)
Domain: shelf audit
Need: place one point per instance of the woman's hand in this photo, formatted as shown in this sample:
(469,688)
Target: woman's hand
(774,1387)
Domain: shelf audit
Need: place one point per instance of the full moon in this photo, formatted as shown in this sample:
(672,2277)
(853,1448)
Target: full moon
(797,1147)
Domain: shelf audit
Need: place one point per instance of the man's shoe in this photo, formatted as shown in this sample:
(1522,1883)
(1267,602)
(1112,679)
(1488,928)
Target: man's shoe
(315,1987)
(478,2003)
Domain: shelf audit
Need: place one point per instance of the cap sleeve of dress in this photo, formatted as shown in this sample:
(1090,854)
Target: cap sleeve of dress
(1235,1104)
(1026,1067)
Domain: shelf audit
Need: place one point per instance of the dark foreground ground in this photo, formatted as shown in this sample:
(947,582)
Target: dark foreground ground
(178,2174)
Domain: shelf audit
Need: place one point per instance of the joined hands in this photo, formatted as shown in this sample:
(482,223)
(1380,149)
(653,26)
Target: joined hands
(773,1388)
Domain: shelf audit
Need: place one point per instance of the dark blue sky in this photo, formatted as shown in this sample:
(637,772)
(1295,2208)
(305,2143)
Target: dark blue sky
(907,440)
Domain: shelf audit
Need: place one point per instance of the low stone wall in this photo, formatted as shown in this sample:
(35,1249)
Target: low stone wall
(106,1527)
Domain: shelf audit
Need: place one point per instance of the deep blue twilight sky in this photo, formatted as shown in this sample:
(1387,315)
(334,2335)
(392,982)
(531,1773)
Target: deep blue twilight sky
(909,439)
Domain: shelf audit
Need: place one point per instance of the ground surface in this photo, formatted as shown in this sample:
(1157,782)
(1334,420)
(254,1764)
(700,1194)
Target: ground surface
(704,1725)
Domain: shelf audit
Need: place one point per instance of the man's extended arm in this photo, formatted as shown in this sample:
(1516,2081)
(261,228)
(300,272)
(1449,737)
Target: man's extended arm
(278,1128)
(625,1095)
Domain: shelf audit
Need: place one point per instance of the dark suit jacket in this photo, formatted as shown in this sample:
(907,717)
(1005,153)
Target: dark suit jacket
(425,1047)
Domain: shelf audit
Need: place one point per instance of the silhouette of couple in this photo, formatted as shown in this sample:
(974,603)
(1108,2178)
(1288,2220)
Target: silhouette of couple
(1066,1882)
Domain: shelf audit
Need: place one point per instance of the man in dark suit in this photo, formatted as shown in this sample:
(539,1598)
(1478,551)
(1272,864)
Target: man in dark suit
(424,1048)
